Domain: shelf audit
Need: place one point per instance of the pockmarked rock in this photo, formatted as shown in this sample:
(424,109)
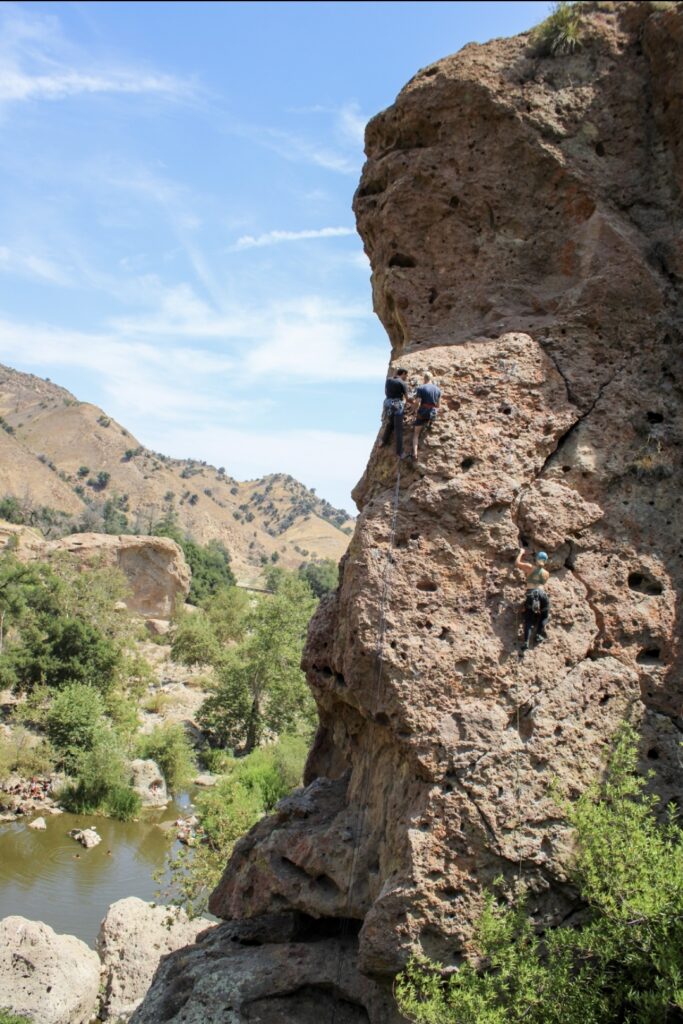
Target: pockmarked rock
(133,938)
(49,978)
(519,216)
(149,783)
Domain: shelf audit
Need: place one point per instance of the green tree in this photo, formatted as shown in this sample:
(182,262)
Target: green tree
(194,640)
(624,966)
(260,683)
(227,612)
(322,577)
(102,780)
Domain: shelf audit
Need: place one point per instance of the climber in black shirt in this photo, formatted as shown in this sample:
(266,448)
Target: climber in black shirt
(396,392)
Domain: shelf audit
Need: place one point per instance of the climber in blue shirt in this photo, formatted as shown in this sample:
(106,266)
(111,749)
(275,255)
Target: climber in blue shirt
(429,396)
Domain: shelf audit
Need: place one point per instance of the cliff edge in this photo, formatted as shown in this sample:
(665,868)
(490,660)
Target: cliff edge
(522,216)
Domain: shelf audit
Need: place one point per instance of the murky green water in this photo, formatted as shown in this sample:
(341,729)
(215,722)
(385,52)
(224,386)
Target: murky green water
(48,876)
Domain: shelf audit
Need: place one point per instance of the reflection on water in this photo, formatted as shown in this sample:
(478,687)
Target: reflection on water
(47,876)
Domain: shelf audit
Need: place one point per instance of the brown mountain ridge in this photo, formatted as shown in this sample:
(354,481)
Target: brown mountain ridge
(70,457)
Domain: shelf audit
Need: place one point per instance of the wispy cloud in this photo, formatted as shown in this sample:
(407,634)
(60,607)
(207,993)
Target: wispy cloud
(275,237)
(31,265)
(38,63)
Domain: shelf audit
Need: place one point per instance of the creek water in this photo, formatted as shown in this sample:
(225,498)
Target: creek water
(48,876)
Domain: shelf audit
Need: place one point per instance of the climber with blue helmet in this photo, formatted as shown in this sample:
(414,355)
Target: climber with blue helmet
(536,603)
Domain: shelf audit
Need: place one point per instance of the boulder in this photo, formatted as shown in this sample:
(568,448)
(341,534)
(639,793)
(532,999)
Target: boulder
(154,566)
(205,779)
(149,783)
(133,937)
(51,978)
(158,627)
(87,837)
(38,824)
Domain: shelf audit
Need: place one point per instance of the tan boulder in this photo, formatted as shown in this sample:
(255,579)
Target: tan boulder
(50,978)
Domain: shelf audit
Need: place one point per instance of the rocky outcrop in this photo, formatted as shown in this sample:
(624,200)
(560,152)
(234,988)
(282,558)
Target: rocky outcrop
(133,938)
(149,783)
(154,567)
(522,217)
(49,978)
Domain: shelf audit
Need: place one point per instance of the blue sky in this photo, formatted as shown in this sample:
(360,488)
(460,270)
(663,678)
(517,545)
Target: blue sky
(176,237)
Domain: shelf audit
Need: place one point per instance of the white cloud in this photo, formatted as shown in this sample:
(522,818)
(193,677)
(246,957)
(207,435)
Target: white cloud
(38,63)
(16,85)
(31,265)
(275,237)
(352,123)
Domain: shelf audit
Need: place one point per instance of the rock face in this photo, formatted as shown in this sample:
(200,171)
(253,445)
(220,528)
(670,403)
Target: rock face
(148,783)
(155,567)
(52,979)
(522,217)
(133,938)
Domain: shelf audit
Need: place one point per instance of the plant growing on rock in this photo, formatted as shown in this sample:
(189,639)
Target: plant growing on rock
(560,33)
(624,965)
(169,746)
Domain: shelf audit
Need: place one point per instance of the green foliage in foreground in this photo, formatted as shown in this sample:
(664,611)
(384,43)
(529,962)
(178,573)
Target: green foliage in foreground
(625,966)
(560,33)
(7,1017)
(250,788)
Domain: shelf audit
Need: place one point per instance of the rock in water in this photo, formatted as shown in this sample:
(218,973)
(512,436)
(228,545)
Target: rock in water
(53,979)
(149,783)
(87,837)
(38,824)
(520,217)
(132,939)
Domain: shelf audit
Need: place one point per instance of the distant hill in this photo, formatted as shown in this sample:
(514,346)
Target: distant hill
(80,466)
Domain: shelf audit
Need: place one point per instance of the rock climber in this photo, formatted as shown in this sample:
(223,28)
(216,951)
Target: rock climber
(430,396)
(536,603)
(396,391)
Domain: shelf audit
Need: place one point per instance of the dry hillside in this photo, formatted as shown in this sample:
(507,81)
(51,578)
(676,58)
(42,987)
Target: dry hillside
(69,456)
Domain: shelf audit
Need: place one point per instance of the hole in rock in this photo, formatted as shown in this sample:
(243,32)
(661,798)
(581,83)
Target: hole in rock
(649,656)
(427,585)
(566,469)
(599,149)
(605,699)
(643,583)
(432,295)
(655,417)
(558,730)
(399,259)
(415,536)
(653,754)
(371,188)
(506,410)
(467,463)
(326,671)
(454,202)
(381,718)
(339,679)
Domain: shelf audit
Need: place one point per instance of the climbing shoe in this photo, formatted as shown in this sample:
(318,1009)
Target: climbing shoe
(541,638)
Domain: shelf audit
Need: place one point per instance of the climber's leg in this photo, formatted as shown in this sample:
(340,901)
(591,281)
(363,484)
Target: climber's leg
(529,619)
(543,617)
(417,430)
(398,430)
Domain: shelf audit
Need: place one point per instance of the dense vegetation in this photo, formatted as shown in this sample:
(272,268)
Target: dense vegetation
(625,964)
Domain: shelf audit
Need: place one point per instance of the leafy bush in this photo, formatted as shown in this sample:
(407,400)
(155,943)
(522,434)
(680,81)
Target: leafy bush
(102,775)
(251,788)
(169,746)
(7,1017)
(193,640)
(122,802)
(74,720)
(23,753)
(560,33)
(624,965)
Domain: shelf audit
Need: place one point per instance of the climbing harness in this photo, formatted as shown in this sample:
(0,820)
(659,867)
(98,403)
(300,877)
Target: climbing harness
(365,792)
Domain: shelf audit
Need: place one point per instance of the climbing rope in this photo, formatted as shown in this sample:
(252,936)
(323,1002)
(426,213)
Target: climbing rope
(365,792)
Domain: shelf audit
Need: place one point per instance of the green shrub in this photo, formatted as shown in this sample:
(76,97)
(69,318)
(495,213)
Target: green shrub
(169,746)
(23,753)
(194,641)
(251,788)
(624,965)
(560,33)
(122,802)
(322,577)
(7,1017)
(74,720)
(99,774)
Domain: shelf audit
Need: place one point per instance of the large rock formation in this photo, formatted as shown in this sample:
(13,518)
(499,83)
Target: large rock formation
(522,217)
(154,567)
(133,938)
(49,978)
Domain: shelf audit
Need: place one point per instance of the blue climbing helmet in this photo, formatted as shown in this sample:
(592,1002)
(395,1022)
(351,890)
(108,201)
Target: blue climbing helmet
(541,556)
